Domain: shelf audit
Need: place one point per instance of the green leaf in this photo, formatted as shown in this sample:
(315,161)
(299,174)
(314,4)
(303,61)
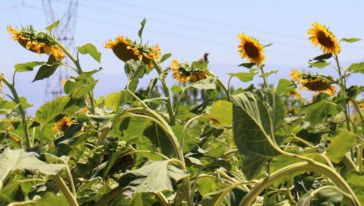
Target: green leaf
(340,145)
(319,64)
(176,89)
(284,86)
(221,113)
(91,50)
(134,70)
(52,26)
(323,56)
(26,67)
(247,65)
(268,45)
(267,74)
(204,84)
(165,57)
(357,68)
(116,99)
(142,24)
(256,117)
(48,111)
(47,199)
(12,160)
(319,111)
(356,182)
(350,40)
(153,177)
(80,86)
(46,70)
(244,76)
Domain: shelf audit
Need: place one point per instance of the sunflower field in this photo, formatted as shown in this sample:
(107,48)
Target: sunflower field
(198,141)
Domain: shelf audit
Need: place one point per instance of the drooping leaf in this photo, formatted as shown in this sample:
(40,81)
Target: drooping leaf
(255,120)
(91,50)
(323,56)
(341,144)
(29,66)
(247,65)
(19,159)
(153,177)
(134,70)
(51,109)
(47,70)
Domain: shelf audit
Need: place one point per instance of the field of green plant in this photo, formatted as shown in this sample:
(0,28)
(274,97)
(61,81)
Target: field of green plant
(199,141)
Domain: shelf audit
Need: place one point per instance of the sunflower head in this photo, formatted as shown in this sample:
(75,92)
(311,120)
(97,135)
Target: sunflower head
(185,73)
(63,124)
(125,49)
(38,42)
(321,36)
(251,49)
(318,83)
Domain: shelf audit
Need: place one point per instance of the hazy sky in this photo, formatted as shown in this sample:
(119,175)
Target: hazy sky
(189,28)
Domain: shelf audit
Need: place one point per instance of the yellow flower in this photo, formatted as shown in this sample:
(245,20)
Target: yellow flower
(125,50)
(294,94)
(184,73)
(63,124)
(321,36)
(295,75)
(40,43)
(251,49)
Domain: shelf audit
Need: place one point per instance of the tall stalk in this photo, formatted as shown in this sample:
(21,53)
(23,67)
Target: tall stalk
(20,109)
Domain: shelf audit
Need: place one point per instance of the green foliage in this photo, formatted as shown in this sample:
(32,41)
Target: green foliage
(91,50)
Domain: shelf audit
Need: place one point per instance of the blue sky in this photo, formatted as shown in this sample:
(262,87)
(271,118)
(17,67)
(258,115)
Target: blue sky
(189,28)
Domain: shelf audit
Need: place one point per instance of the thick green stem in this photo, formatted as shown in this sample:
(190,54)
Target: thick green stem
(65,191)
(20,109)
(265,81)
(172,119)
(298,168)
(343,92)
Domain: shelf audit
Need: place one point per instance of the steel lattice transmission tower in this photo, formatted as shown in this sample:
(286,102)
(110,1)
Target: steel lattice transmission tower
(64,33)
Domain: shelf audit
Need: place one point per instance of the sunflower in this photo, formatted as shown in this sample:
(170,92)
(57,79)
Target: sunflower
(251,49)
(38,42)
(319,84)
(185,73)
(321,36)
(63,124)
(125,49)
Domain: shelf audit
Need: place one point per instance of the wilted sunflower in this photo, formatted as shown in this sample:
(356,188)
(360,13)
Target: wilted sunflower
(38,42)
(319,84)
(251,49)
(63,124)
(125,49)
(295,75)
(185,73)
(321,36)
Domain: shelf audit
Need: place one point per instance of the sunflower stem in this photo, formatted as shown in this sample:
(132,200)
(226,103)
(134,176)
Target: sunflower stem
(343,91)
(265,81)
(20,109)
(172,119)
